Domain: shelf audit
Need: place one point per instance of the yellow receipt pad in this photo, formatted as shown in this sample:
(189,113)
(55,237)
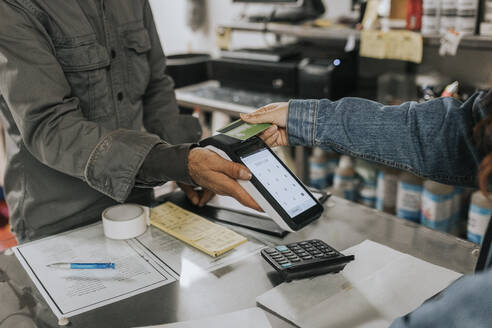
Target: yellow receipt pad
(194,230)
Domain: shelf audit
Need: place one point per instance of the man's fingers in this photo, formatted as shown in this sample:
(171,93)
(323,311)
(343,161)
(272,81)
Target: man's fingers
(205,196)
(191,193)
(235,190)
(248,201)
(244,198)
(222,184)
(219,175)
(232,169)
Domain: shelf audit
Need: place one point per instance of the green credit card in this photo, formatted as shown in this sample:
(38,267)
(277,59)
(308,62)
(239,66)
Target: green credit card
(242,130)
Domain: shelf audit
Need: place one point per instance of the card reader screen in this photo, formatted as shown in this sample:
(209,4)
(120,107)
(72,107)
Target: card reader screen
(279,182)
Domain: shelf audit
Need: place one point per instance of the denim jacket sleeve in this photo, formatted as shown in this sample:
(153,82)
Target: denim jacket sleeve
(431,139)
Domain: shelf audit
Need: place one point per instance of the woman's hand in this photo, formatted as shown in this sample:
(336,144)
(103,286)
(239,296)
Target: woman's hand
(276,114)
(218,176)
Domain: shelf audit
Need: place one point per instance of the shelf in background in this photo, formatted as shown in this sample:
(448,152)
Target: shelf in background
(342,33)
(470,41)
(300,31)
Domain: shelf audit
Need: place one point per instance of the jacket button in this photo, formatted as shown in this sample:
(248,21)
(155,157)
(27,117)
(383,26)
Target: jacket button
(120,96)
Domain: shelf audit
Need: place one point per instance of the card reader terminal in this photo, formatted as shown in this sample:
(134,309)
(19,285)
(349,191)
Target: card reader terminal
(273,186)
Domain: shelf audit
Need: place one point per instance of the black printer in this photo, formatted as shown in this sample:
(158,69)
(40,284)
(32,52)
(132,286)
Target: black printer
(263,76)
(333,76)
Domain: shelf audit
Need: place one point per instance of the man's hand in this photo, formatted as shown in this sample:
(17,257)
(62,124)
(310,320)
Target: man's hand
(276,114)
(197,197)
(219,175)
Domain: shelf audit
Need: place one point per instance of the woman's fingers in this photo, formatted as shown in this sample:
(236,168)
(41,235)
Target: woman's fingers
(266,108)
(275,139)
(271,140)
(273,113)
(271,131)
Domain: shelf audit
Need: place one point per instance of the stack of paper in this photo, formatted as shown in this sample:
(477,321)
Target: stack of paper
(194,230)
(379,286)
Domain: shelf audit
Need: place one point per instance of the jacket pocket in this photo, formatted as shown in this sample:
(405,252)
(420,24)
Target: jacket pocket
(85,68)
(137,45)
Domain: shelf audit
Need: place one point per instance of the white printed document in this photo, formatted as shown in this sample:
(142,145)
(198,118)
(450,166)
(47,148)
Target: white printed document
(70,292)
(149,261)
(248,318)
(379,286)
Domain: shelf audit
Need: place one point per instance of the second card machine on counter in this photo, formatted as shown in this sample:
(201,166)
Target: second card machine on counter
(273,186)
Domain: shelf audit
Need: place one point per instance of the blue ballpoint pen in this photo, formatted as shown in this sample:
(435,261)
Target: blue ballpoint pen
(62,265)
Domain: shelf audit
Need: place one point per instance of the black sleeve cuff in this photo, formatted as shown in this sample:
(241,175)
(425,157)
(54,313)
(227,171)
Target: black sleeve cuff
(164,163)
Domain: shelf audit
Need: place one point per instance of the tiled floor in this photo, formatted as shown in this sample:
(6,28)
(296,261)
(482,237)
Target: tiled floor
(7,240)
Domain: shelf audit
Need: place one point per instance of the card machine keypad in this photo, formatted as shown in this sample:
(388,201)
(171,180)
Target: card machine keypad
(305,259)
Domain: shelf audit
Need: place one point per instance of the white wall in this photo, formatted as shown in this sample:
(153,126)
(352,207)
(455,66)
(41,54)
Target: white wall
(177,37)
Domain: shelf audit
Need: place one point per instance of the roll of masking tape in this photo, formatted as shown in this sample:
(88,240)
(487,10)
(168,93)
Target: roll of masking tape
(125,221)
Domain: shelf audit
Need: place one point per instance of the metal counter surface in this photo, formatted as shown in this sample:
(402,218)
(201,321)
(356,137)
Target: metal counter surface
(236,286)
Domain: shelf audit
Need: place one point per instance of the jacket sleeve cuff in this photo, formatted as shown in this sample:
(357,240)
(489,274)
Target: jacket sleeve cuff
(165,162)
(115,161)
(301,122)
(178,163)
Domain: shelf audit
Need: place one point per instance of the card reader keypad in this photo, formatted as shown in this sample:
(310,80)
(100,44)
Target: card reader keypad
(288,255)
(306,258)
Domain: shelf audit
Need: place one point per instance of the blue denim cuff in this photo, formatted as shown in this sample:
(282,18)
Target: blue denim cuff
(300,122)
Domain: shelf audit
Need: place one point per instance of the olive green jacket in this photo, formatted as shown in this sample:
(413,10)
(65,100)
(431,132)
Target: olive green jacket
(84,98)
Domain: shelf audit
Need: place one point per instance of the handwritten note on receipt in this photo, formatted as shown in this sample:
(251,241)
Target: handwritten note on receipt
(194,230)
